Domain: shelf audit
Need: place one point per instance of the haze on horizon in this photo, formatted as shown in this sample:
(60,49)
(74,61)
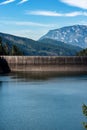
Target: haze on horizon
(34,18)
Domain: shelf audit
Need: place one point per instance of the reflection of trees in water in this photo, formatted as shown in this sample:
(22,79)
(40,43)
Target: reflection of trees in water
(0,85)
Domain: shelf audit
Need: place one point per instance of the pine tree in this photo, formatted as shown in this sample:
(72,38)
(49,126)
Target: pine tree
(15,51)
(1,47)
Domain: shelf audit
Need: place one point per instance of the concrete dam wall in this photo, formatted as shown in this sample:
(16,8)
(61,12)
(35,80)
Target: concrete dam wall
(44,63)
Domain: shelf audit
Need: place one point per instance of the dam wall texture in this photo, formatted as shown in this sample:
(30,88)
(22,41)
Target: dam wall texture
(46,63)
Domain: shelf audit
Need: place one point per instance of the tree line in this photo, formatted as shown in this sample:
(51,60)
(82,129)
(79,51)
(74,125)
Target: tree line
(82,53)
(5,50)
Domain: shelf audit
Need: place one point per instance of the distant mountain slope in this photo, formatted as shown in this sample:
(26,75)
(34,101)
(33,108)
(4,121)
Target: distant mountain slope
(60,47)
(46,47)
(73,35)
(24,44)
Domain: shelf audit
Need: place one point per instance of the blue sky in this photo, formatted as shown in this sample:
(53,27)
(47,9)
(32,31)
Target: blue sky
(34,18)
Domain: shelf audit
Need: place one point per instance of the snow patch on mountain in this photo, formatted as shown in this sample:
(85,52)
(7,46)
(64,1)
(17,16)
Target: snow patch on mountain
(75,35)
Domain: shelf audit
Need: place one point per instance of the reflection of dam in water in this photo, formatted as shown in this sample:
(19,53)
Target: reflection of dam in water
(44,63)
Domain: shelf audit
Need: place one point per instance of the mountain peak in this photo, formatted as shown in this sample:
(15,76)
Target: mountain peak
(74,35)
(72,26)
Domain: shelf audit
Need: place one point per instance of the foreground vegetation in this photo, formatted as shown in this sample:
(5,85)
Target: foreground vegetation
(84,108)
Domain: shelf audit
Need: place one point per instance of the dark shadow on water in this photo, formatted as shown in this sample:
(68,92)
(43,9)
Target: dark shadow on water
(4,67)
(44,75)
(0,85)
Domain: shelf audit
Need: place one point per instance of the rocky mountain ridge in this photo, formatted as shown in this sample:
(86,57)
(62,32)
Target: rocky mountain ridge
(73,35)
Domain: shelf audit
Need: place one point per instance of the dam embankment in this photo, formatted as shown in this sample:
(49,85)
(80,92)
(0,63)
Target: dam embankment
(43,63)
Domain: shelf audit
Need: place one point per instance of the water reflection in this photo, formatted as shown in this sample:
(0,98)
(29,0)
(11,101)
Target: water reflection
(43,75)
(52,104)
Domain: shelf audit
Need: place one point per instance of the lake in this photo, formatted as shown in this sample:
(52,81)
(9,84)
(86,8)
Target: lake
(35,101)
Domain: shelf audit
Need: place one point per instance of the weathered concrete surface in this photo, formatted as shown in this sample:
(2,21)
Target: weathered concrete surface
(46,63)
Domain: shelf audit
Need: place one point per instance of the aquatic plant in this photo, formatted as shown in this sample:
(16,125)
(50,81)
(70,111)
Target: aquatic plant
(84,108)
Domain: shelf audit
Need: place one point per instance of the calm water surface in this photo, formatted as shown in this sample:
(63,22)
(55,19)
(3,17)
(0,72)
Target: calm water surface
(37,102)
